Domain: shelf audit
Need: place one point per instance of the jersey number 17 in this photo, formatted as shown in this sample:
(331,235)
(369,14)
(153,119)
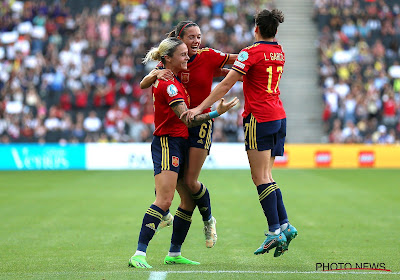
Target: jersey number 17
(272,77)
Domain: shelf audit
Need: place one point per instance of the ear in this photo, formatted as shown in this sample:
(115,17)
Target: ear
(167,58)
(256,29)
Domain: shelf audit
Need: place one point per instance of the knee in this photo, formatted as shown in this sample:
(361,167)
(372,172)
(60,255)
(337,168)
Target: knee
(164,203)
(258,180)
(192,184)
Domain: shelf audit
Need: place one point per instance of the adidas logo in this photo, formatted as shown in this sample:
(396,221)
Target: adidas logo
(200,141)
(203,209)
(151,226)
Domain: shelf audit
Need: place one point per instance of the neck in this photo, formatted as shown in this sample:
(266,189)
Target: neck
(175,71)
(259,38)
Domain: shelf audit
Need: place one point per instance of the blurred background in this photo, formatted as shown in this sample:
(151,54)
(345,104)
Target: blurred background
(70,70)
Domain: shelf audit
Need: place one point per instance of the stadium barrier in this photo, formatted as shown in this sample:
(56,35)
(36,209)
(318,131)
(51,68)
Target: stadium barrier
(111,156)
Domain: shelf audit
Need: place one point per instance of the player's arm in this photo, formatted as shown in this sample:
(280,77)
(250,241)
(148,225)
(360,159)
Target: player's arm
(162,74)
(223,72)
(219,91)
(180,107)
(232,58)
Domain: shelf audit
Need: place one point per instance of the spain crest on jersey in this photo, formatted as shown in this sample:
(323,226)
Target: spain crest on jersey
(185,77)
(175,161)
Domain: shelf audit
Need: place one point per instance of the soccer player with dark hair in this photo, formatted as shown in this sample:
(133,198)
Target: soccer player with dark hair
(204,64)
(264,123)
(169,151)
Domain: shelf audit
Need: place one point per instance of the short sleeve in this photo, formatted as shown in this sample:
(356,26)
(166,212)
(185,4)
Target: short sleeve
(173,94)
(219,58)
(244,61)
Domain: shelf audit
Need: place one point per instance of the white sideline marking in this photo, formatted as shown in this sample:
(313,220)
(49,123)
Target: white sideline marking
(158,275)
(164,273)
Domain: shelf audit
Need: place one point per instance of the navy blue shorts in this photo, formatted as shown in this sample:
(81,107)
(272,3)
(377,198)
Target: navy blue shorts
(265,136)
(201,136)
(169,153)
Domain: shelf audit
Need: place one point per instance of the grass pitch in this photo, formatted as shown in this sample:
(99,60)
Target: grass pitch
(85,225)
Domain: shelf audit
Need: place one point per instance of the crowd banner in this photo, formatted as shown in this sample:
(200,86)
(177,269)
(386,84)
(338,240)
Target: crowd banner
(137,156)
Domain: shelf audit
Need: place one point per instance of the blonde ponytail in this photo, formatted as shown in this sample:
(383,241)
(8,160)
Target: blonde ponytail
(166,47)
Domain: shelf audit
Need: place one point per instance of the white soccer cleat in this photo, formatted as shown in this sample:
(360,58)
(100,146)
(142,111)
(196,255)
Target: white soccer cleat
(166,221)
(210,232)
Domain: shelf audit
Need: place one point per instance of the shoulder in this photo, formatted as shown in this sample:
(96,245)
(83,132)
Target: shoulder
(210,51)
(172,88)
(160,65)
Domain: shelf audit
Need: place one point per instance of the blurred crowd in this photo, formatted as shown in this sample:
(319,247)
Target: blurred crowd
(359,47)
(73,76)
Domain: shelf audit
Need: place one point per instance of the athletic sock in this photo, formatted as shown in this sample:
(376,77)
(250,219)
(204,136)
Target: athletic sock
(283,218)
(182,222)
(151,219)
(267,197)
(202,200)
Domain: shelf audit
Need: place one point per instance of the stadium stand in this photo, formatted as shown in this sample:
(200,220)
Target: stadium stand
(359,69)
(72,75)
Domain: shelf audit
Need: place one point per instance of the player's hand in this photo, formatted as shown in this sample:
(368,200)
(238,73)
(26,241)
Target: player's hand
(189,114)
(165,75)
(223,107)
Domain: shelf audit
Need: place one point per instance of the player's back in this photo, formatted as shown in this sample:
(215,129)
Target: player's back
(262,63)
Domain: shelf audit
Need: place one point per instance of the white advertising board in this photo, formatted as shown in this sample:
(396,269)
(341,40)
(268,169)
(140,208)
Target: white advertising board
(138,156)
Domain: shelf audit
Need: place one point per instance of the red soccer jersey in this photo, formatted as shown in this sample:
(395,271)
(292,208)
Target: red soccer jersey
(262,67)
(199,76)
(166,93)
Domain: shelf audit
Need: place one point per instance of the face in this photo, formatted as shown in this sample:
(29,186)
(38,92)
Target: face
(178,61)
(192,39)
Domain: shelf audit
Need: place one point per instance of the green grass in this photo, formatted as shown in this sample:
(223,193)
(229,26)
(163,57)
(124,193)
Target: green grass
(85,225)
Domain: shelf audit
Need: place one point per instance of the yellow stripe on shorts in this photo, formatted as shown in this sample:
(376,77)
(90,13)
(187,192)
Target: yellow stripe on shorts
(208,139)
(164,153)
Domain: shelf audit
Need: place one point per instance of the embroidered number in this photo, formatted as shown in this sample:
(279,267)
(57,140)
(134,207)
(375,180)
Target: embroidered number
(279,70)
(203,131)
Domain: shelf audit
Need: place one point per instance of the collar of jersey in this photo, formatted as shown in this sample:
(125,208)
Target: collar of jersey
(179,80)
(192,58)
(265,42)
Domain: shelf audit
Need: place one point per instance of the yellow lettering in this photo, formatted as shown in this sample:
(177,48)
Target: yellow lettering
(276,56)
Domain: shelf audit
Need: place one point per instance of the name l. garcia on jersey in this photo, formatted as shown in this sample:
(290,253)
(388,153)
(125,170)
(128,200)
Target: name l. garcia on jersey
(275,56)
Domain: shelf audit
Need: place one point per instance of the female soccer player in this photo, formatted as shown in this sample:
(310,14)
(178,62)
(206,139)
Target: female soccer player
(169,148)
(261,66)
(203,65)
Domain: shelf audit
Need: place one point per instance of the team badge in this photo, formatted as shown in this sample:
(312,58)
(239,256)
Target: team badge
(175,161)
(243,56)
(172,90)
(185,77)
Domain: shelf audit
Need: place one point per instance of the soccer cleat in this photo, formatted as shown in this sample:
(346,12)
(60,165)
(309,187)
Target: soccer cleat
(210,232)
(290,232)
(139,262)
(272,241)
(179,260)
(166,221)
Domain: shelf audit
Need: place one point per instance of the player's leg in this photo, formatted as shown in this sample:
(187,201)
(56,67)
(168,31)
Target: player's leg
(259,161)
(167,156)
(200,143)
(165,189)
(181,225)
(259,141)
(289,230)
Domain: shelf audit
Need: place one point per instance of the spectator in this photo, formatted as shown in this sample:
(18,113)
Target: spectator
(362,54)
